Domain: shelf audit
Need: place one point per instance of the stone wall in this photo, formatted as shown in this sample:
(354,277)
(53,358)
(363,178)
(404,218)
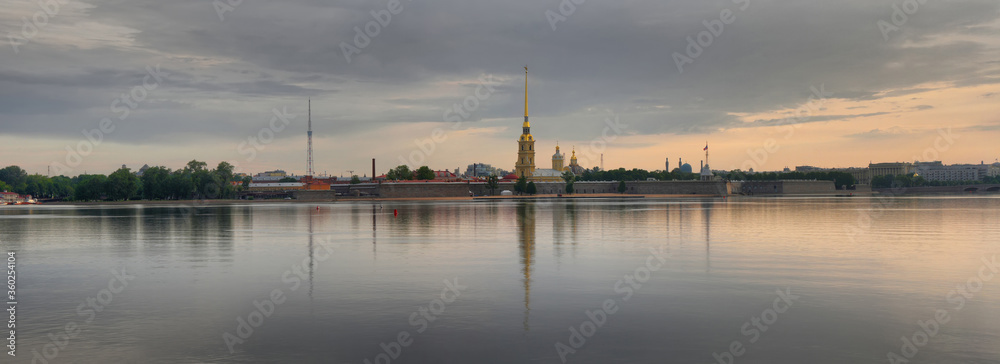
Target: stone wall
(787,187)
(424,189)
(437,189)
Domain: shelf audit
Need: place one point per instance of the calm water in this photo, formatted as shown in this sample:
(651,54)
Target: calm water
(353,277)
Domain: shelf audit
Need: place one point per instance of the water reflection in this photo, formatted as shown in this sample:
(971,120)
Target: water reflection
(526,237)
(211,264)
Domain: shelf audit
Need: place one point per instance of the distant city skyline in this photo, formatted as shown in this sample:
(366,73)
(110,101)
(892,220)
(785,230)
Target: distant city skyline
(781,86)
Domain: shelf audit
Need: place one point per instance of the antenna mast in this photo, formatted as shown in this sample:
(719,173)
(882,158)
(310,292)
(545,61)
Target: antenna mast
(309,153)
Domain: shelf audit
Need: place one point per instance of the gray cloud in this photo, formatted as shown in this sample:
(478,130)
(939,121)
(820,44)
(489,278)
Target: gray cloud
(226,75)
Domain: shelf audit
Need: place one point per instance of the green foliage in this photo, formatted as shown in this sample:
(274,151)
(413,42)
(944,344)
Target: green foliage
(155,183)
(246,182)
(62,187)
(287,180)
(179,185)
(622,187)
(531,189)
(569,177)
(621,174)
(521,186)
(195,165)
(424,173)
(121,185)
(90,187)
(15,177)
(37,185)
(400,173)
(355,180)
(493,182)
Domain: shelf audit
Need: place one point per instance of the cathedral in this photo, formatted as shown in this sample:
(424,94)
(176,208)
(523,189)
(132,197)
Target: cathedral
(525,166)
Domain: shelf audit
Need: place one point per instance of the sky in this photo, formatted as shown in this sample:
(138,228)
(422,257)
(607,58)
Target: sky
(89,85)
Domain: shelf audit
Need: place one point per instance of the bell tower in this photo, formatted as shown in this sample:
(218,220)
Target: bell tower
(525,165)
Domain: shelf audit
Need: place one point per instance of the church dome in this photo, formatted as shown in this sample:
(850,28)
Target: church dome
(558,155)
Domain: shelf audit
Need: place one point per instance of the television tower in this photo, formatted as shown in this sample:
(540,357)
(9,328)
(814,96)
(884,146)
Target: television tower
(309,152)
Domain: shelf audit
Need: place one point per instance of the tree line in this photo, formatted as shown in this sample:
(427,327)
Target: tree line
(635,174)
(403,173)
(194,181)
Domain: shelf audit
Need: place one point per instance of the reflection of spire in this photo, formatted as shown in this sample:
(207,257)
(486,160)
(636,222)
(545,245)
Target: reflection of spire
(526,222)
(374,252)
(310,255)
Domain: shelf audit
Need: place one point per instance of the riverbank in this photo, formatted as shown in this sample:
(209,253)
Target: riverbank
(358,199)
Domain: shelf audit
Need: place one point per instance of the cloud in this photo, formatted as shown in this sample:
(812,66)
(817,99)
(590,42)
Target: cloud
(227,75)
(891,132)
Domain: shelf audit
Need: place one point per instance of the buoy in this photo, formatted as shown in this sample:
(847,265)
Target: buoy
(317,207)
(395,212)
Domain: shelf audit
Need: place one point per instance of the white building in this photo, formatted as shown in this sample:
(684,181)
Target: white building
(936,171)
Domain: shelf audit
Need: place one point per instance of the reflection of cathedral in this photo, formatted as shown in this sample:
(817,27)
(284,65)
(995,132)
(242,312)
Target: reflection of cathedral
(526,235)
(525,166)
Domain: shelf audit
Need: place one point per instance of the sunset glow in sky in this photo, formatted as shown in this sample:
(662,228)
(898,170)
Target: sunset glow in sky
(781,83)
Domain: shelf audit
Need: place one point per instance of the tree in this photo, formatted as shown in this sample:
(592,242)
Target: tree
(195,165)
(122,185)
(621,187)
(180,185)
(246,182)
(14,176)
(521,186)
(4,187)
(91,187)
(492,182)
(287,179)
(424,173)
(155,183)
(569,177)
(355,180)
(531,189)
(223,176)
(62,187)
(37,185)
(400,173)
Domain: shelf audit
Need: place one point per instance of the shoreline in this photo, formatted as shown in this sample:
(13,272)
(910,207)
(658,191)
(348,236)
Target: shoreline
(361,199)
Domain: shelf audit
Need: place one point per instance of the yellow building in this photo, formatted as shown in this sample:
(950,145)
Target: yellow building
(525,166)
(558,160)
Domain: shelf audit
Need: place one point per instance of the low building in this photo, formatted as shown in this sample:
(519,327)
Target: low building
(278,186)
(889,169)
(445,175)
(937,171)
(479,170)
(9,197)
